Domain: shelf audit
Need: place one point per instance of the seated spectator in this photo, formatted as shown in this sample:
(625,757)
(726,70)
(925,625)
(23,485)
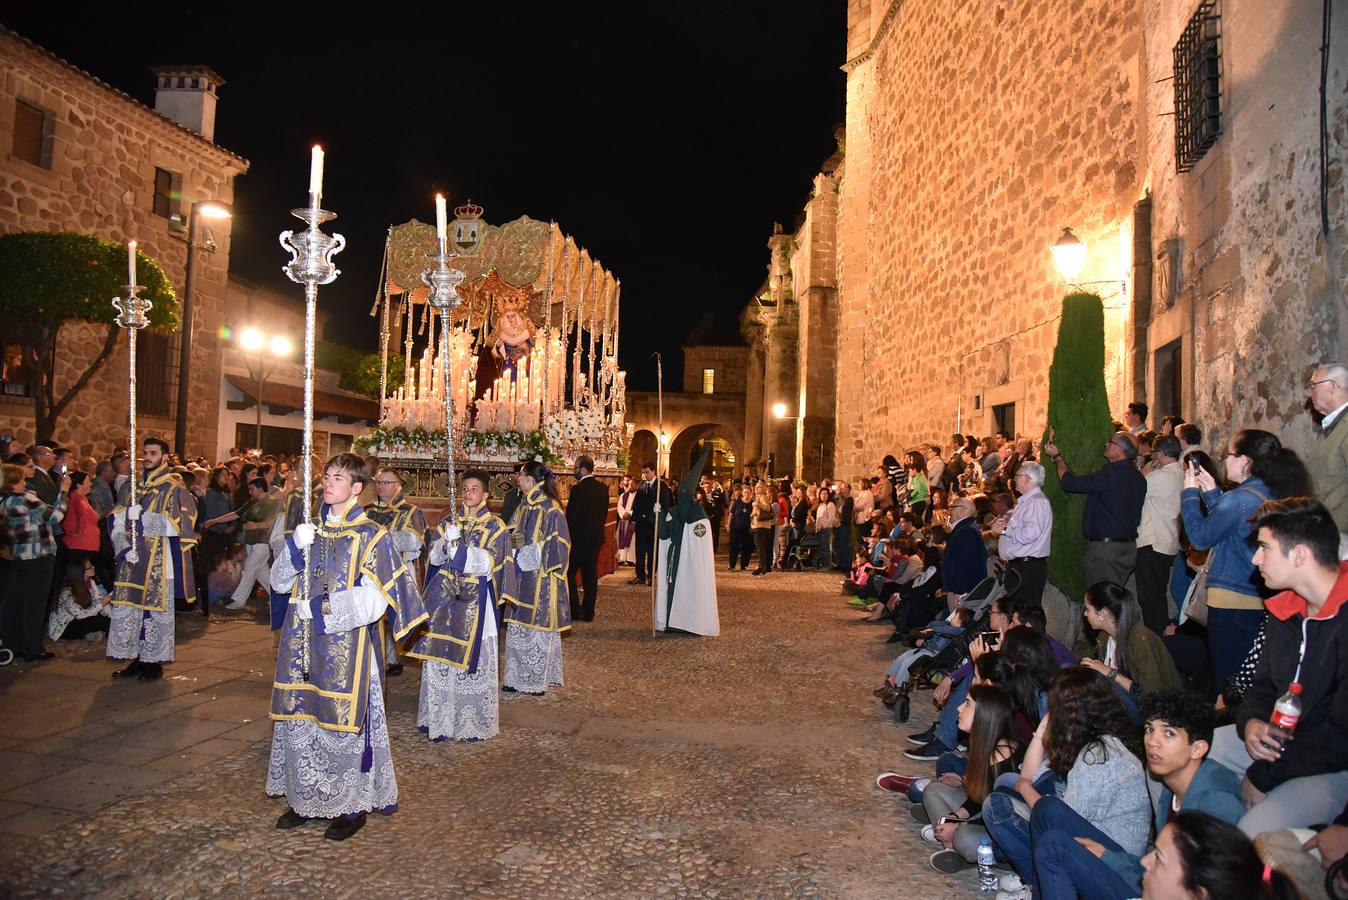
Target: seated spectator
(1033,617)
(81,609)
(965,561)
(1291,783)
(225,574)
(954,804)
(1127,652)
(1088,740)
(1200,857)
(1072,857)
(935,638)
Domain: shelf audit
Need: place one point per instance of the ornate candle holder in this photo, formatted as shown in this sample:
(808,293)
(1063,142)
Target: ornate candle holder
(444,298)
(133,315)
(311,252)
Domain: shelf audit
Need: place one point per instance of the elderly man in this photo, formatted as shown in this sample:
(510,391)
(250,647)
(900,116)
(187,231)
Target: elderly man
(1024,536)
(1158,534)
(43,481)
(1328,459)
(1114,497)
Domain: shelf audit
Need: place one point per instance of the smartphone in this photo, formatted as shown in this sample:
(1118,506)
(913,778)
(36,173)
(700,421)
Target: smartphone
(992,638)
(952,820)
(1052,435)
(1194,466)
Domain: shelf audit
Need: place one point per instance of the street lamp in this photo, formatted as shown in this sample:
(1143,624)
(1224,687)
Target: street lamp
(260,366)
(207,209)
(1069,254)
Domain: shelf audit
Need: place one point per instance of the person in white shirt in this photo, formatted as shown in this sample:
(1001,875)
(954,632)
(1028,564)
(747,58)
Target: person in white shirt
(1025,535)
(935,465)
(1158,533)
(863,507)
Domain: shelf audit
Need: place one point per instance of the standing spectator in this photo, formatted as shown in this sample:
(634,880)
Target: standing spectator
(256,514)
(896,475)
(27,562)
(41,481)
(121,465)
(989,459)
(966,556)
(955,464)
(1169,424)
(715,508)
(863,507)
(761,522)
(1190,436)
(1262,470)
(215,505)
(935,466)
(586,509)
(741,540)
(1328,460)
(644,515)
(843,534)
(1158,534)
(81,535)
(1026,535)
(825,524)
(100,490)
(1114,498)
(1135,419)
(919,490)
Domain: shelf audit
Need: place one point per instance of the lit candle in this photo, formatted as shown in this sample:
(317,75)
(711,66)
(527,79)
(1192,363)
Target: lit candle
(316,174)
(440,218)
(131,263)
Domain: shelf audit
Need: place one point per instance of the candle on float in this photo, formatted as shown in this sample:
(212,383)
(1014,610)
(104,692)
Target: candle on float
(441,220)
(131,263)
(316,175)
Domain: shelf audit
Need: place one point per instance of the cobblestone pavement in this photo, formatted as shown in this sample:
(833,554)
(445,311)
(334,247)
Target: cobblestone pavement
(675,766)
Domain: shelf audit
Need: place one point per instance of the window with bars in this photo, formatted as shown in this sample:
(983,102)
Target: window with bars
(33,128)
(1198,86)
(168,193)
(156,368)
(708,381)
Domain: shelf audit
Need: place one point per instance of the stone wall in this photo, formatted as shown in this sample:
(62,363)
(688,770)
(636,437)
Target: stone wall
(105,148)
(731,365)
(976,133)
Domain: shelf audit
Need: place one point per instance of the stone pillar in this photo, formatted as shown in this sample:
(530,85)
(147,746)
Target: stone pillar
(753,399)
(816,274)
(781,384)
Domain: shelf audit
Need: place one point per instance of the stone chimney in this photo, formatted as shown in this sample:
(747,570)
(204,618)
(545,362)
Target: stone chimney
(186,94)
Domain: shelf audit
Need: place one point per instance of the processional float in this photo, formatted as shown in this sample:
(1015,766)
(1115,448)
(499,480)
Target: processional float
(520,359)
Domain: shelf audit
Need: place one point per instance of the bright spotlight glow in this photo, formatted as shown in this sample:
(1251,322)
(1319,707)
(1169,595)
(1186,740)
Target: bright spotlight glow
(252,340)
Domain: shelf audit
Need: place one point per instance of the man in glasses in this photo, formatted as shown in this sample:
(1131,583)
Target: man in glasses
(1114,498)
(407,525)
(1328,459)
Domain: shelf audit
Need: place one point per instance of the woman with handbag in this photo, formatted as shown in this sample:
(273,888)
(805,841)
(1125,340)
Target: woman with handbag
(1227,593)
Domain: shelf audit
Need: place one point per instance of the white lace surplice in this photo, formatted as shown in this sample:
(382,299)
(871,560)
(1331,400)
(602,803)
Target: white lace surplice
(318,771)
(457,705)
(533,659)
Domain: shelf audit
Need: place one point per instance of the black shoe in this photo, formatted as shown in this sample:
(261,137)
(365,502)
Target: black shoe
(342,827)
(129,671)
(588,617)
(919,738)
(151,671)
(393,670)
(894,638)
(509,690)
(291,819)
(919,813)
(928,752)
(635,581)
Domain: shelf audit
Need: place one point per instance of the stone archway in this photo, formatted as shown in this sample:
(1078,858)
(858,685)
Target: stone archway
(685,446)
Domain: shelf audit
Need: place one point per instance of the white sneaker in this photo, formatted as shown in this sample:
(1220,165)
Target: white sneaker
(929,834)
(236,604)
(1011,882)
(1022,894)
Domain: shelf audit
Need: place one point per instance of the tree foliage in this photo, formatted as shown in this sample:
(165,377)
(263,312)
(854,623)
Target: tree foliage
(357,371)
(1078,412)
(51,278)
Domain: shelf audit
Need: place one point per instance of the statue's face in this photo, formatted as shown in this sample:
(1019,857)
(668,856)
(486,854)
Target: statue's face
(514,327)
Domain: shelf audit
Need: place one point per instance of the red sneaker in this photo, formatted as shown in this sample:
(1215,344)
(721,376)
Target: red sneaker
(895,783)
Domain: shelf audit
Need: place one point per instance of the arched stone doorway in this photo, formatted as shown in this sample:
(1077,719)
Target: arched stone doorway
(688,445)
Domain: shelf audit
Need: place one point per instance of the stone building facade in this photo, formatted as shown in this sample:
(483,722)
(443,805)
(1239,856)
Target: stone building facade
(79,155)
(974,135)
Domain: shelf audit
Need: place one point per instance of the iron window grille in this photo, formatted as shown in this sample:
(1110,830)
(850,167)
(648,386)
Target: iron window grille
(1198,86)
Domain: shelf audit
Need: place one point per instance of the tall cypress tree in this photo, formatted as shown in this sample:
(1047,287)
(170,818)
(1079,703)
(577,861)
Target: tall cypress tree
(1078,410)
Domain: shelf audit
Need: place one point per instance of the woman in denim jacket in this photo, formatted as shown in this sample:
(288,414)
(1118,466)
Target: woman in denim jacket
(1261,469)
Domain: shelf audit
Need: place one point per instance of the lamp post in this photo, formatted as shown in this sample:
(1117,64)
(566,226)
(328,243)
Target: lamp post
(208,209)
(1069,255)
(260,367)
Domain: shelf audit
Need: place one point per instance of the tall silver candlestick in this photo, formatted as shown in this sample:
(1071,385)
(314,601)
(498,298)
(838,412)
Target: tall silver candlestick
(133,315)
(444,298)
(311,252)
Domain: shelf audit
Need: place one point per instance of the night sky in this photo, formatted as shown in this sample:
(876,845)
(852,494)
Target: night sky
(665,137)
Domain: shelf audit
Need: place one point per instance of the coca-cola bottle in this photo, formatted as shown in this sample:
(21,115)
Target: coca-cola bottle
(1287,712)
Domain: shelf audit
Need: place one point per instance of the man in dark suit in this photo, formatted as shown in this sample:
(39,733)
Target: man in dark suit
(42,482)
(586,509)
(643,514)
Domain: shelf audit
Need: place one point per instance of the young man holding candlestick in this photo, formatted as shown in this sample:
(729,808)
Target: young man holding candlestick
(330,753)
(153,571)
(470,576)
(406,525)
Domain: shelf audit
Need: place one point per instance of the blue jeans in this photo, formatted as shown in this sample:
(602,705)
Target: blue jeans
(1062,866)
(947,725)
(1009,829)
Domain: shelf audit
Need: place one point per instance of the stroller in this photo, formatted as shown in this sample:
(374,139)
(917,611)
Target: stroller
(978,601)
(806,551)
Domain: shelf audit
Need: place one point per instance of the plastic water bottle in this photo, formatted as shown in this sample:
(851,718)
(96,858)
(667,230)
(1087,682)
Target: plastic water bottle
(987,874)
(1287,712)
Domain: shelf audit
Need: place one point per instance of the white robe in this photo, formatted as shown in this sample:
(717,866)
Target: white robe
(694,608)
